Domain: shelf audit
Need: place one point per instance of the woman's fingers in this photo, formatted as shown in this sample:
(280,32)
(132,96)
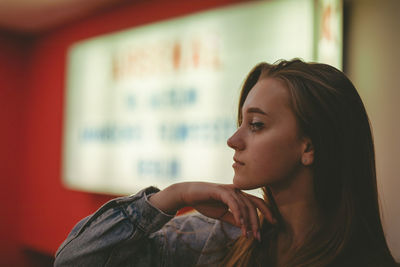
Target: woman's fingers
(235,207)
(262,206)
(227,203)
(244,211)
(229,218)
(253,225)
(247,206)
(247,212)
(238,208)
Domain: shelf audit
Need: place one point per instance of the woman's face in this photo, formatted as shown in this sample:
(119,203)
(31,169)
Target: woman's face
(268,148)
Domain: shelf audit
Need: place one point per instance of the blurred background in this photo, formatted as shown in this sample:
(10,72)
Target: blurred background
(44,43)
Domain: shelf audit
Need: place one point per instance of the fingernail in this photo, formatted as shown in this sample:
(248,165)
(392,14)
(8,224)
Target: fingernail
(255,234)
(241,221)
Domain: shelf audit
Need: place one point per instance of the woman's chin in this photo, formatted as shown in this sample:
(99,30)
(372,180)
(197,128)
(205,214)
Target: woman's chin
(243,184)
(236,182)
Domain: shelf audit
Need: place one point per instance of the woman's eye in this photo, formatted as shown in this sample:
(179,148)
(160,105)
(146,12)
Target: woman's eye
(255,126)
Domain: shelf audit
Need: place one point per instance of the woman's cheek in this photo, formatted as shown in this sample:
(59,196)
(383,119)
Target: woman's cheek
(271,168)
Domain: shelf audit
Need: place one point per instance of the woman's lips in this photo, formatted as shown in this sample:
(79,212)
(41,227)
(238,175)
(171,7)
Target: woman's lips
(237,163)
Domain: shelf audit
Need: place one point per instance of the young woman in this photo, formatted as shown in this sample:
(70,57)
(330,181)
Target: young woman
(304,137)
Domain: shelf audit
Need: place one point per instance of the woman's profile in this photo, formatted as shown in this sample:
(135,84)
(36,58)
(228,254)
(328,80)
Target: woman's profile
(304,137)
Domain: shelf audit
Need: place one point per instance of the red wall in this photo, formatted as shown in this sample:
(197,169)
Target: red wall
(13,55)
(39,211)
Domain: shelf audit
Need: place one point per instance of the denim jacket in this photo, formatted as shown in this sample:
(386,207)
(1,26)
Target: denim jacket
(129,231)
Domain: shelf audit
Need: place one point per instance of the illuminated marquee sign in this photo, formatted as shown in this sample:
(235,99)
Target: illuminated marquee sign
(155,104)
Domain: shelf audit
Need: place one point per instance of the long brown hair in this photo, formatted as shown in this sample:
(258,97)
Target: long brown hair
(330,112)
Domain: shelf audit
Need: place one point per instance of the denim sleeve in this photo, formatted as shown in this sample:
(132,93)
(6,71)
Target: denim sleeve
(121,233)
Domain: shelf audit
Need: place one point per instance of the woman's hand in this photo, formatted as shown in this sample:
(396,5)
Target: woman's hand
(218,201)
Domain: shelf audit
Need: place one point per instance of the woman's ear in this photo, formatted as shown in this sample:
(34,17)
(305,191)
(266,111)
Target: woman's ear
(307,157)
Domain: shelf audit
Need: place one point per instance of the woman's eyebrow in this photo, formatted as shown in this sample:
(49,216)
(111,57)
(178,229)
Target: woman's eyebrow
(256,110)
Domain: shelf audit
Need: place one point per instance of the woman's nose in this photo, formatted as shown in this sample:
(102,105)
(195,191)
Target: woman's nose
(236,142)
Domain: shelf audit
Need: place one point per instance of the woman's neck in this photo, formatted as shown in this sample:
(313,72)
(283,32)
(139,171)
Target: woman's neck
(297,206)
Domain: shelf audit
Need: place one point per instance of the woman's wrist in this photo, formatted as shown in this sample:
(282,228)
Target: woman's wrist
(168,200)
